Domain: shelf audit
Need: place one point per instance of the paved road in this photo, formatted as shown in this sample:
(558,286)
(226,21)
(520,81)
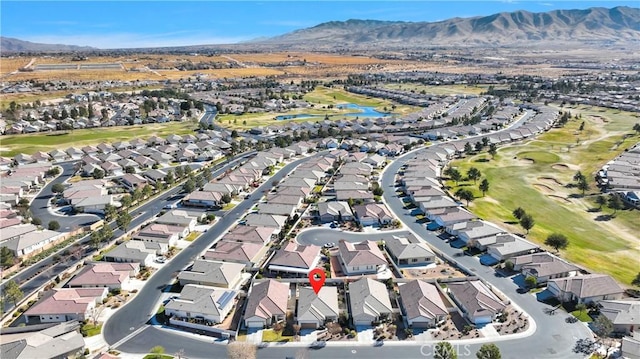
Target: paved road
(137,313)
(39,206)
(40,273)
(554,338)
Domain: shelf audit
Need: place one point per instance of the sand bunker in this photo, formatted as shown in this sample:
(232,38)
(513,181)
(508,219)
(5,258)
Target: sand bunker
(550,180)
(560,167)
(559,198)
(527,161)
(543,188)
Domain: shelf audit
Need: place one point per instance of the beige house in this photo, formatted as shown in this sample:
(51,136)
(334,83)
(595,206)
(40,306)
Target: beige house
(266,304)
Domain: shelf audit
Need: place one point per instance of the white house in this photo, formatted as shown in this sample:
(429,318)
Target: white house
(204,303)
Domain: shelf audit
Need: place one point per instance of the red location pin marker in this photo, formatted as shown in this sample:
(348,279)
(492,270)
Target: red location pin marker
(317,278)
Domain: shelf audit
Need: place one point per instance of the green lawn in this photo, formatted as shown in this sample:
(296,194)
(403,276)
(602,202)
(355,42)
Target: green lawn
(10,145)
(158,356)
(321,98)
(90,330)
(582,316)
(539,187)
(228,206)
(269,335)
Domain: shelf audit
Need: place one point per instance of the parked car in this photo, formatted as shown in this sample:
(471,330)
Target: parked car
(161,259)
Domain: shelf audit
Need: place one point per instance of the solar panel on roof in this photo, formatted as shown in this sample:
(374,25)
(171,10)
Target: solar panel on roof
(225,298)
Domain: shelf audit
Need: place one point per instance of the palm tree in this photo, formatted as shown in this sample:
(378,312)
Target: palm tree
(484,186)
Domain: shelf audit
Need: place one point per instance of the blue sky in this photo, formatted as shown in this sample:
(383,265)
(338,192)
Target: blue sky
(122,24)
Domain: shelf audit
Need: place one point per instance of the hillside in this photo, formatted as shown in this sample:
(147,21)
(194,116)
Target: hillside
(11,45)
(594,25)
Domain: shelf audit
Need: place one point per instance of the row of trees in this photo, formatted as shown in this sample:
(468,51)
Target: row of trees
(474,175)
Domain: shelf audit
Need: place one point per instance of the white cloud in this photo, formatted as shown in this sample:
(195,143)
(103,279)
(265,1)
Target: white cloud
(134,40)
(546,4)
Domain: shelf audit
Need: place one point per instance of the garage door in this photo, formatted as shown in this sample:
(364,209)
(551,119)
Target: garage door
(308,325)
(255,324)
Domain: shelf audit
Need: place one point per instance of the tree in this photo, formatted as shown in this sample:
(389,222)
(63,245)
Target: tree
(12,292)
(474,174)
(464,194)
(601,201)
(95,239)
(602,326)
(54,225)
(519,212)
(468,148)
(489,351)
(6,257)
(126,200)
(226,198)
(444,350)
(527,222)
(147,191)
(97,173)
(493,150)
(484,186)
(189,185)
(179,172)
(157,352)
(123,220)
(378,191)
(583,185)
(106,233)
(531,281)
(615,203)
(508,265)
(557,241)
(579,177)
(453,174)
(241,350)
(636,128)
(636,280)
(36,221)
(169,178)
(57,188)
(110,211)
(130,169)
(581,307)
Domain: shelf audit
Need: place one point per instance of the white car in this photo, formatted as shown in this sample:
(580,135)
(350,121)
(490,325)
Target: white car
(161,259)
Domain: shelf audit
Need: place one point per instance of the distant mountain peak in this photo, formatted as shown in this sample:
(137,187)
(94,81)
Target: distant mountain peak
(11,45)
(597,24)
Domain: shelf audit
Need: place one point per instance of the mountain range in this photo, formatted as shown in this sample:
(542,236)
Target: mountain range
(520,28)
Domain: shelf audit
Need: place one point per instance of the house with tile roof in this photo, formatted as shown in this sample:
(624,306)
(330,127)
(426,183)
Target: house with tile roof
(409,250)
(373,214)
(202,303)
(246,253)
(360,258)
(212,273)
(624,314)
(53,340)
(369,301)
(108,275)
(254,234)
(64,304)
(422,304)
(543,266)
(266,303)
(314,310)
(478,303)
(295,259)
(585,288)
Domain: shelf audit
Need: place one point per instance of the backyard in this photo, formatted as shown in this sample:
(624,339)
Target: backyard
(537,175)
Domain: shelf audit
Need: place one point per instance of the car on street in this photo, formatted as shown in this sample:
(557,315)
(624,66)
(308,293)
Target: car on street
(329,245)
(160,259)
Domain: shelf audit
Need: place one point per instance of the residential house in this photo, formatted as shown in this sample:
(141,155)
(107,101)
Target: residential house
(136,252)
(373,214)
(64,304)
(246,253)
(334,211)
(360,258)
(543,266)
(254,234)
(206,199)
(422,304)
(266,303)
(585,288)
(180,218)
(478,303)
(207,304)
(314,310)
(162,233)
(624,314)
(265,220)
(295,259)
(56,340)
(286,210)
(409,250)
(369,301)
(108,275)
(507,246)
(478,229)
(212,273)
